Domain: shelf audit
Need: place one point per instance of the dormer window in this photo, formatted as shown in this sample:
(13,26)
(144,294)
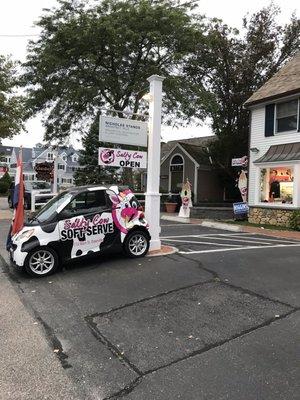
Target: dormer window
(75,158)
(286,116)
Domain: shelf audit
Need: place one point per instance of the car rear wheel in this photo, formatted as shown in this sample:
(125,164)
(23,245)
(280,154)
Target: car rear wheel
(42,261)
(136,244)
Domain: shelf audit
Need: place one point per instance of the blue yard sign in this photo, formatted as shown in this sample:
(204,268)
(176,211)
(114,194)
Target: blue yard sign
(240,209)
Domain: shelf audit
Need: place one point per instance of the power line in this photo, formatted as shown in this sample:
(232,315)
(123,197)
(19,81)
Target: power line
(18,36)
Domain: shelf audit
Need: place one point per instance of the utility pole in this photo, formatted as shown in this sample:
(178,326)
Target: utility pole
(152,206)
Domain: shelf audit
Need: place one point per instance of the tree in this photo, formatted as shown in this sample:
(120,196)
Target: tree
(225,71)
(11,105)
(5,183)
(91,172)
(91,57)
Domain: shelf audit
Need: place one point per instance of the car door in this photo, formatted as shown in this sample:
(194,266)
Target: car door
(86,225)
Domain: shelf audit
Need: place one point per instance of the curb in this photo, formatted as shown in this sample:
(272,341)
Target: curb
(164,251)
(175,219)
(222,225)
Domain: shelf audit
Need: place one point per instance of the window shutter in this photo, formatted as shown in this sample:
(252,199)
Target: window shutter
(298,115)
(269,120)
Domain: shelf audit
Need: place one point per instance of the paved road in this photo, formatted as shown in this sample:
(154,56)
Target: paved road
(217,320)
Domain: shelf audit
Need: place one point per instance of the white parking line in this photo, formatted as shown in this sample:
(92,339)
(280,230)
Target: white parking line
(237,248)
(204,235)
(210,243)
(246,240)
(283,240)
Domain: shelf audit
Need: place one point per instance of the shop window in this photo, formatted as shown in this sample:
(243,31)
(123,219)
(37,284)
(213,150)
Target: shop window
(287,116)
(276,185)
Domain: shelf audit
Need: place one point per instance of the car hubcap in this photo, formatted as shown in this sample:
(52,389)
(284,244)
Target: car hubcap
(137,245)
(41,262)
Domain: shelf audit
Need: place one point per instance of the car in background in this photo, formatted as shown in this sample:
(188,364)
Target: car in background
(29,187)
(79,222)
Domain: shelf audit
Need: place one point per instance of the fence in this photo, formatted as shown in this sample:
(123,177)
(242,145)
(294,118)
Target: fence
(35,195)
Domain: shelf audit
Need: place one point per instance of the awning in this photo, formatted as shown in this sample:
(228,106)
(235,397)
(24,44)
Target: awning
(281,152)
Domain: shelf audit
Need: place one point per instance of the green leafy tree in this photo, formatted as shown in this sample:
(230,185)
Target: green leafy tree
(91,57)
(90,172)
(11,105)
(225,71)
(5,182)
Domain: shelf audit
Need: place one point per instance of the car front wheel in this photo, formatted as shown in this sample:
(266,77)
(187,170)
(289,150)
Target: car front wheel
(137,244)
(42,261)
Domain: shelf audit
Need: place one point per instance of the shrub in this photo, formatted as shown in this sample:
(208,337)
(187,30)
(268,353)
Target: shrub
(295,220)
(5,182)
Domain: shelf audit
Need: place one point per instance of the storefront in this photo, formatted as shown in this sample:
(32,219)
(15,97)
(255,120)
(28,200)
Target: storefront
(277,185)
(274,157)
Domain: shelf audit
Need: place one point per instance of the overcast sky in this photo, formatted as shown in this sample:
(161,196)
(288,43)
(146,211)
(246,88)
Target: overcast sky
(17,18)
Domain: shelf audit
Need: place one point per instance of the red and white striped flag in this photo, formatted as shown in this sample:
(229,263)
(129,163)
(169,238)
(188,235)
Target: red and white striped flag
(18,198)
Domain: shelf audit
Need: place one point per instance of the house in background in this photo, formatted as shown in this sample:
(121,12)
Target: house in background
(274,165)
(188,159)
(68,161)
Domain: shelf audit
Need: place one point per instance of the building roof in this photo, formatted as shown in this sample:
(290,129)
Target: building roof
(281,152)
(199,142)
(284,83)
(197,153)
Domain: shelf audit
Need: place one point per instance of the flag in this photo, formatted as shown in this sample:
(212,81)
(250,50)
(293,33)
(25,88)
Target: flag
(18,202)
(18,198)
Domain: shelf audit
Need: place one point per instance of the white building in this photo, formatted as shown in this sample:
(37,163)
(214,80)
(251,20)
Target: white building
(68,161)
(274,167)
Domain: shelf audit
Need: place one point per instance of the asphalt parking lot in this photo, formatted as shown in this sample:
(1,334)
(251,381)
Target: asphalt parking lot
(219,319)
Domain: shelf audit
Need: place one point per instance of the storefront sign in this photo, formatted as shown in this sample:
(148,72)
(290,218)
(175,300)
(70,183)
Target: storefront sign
(239,162)
(122,158)
(123,131)
(240,208)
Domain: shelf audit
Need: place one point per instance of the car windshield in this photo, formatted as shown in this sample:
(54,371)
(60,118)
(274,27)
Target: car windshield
(54,205)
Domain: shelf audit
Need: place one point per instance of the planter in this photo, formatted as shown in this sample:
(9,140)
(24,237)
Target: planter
(171,207)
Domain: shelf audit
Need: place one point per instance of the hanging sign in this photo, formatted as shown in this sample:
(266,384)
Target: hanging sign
(44,171)
(123,131)
(122,158)
(239,162)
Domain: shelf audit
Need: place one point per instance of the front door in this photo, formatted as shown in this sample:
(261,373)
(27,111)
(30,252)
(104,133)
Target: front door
(86,225)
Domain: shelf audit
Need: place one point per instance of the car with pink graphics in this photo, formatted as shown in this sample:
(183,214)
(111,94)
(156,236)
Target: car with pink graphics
(79,222)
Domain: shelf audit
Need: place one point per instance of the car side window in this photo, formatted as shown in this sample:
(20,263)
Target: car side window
(87,202)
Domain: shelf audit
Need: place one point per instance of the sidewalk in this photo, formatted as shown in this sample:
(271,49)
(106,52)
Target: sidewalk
(29,368)
(233,227)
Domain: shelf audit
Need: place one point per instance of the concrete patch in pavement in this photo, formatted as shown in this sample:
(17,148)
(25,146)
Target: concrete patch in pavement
(260,365)
(158,332)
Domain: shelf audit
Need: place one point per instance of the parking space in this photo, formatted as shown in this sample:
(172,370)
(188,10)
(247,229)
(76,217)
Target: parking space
(160,328)
(219,242)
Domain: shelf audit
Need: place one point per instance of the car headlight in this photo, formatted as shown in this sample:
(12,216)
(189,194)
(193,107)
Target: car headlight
(24,235)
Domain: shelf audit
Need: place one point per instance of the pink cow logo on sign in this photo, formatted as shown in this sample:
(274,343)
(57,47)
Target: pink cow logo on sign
(107,156)
(124,209)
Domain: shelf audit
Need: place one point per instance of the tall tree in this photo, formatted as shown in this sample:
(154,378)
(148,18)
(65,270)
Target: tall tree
(11,105)
(91,57)
(225,71)
(90,172)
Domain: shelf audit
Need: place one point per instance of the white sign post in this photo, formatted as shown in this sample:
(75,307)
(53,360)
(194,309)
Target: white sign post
(123,131)
(109,157)
(152,206)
